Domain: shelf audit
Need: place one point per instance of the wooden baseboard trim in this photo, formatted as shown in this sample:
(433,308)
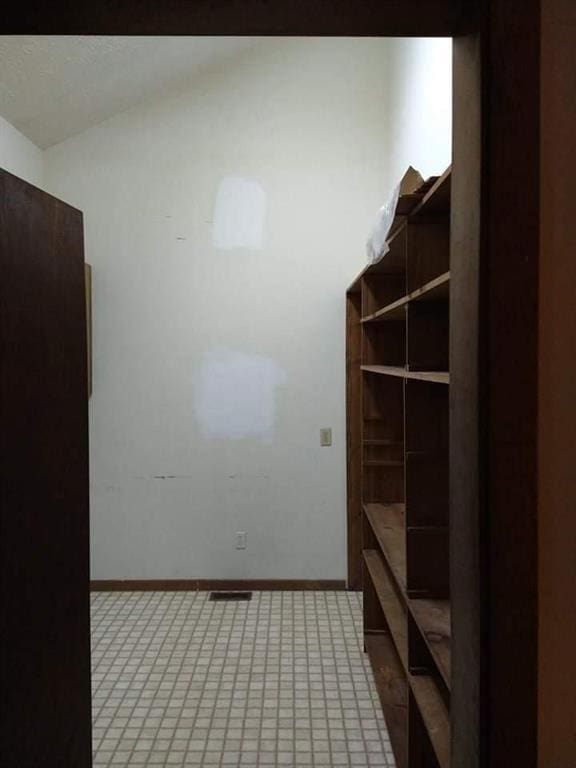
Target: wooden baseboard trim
(195,585)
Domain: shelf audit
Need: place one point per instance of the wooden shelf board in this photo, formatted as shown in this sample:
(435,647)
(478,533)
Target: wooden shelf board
(434,714)
(433,620)
(392,687)
(394,311)
(394,612)
(438,288)
(387,522)
(437,377)
(385,370)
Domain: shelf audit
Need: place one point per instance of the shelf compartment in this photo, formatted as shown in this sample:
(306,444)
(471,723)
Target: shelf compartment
(433,622)
(383,421)
(434,377)
(427,570)
(380,453)
(435,716)
(383,411)
(436,202)
(392,606)
(430,619)
(385,343)
(420,750)
(381,289)
(383,482)
(427,418)
(427,250)
(427,329)
(408,203)
(427,500)
(391,684)
(387,524)
(438,288)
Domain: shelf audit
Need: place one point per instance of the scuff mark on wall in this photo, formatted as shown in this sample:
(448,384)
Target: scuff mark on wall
(235,395)
(164,477)
(249,477)
(173,477)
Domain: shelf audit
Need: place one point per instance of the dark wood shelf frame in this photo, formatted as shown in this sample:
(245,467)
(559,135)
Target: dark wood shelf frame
(398,411)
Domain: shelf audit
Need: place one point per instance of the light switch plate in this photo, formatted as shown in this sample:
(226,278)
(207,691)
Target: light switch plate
(326,436)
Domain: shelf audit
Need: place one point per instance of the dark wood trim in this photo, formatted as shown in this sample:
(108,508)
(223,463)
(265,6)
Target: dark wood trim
(195,585)
(509,261)
(557,385)
(494,411)
(465,439)
(496,225)
(241,17)
(353,438)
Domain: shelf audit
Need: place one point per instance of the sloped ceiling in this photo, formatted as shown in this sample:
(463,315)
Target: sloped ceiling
(54,87)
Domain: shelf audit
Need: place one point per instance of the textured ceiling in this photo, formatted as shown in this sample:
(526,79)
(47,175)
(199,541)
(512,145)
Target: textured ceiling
(54,87)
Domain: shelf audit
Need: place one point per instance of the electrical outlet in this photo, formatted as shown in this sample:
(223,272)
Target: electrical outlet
(326,436)
(241,540)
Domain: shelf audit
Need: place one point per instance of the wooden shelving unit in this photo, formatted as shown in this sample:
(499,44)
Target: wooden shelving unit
(397,427)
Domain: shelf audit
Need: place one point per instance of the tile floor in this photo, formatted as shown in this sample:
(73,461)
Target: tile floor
(179,680)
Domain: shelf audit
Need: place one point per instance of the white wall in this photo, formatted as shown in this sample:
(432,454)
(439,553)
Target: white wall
(420,105)
(19,155)
(215,365)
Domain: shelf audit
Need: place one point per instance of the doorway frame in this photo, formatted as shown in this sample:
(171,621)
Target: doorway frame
(494,350)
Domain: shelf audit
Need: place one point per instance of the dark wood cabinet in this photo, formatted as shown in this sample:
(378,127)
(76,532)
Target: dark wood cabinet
(45,703)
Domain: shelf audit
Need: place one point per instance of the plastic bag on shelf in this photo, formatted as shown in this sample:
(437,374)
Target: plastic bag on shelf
(377,247)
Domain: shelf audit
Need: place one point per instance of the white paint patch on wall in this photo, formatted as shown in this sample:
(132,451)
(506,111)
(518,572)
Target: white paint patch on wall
(235,395)
(239,214)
